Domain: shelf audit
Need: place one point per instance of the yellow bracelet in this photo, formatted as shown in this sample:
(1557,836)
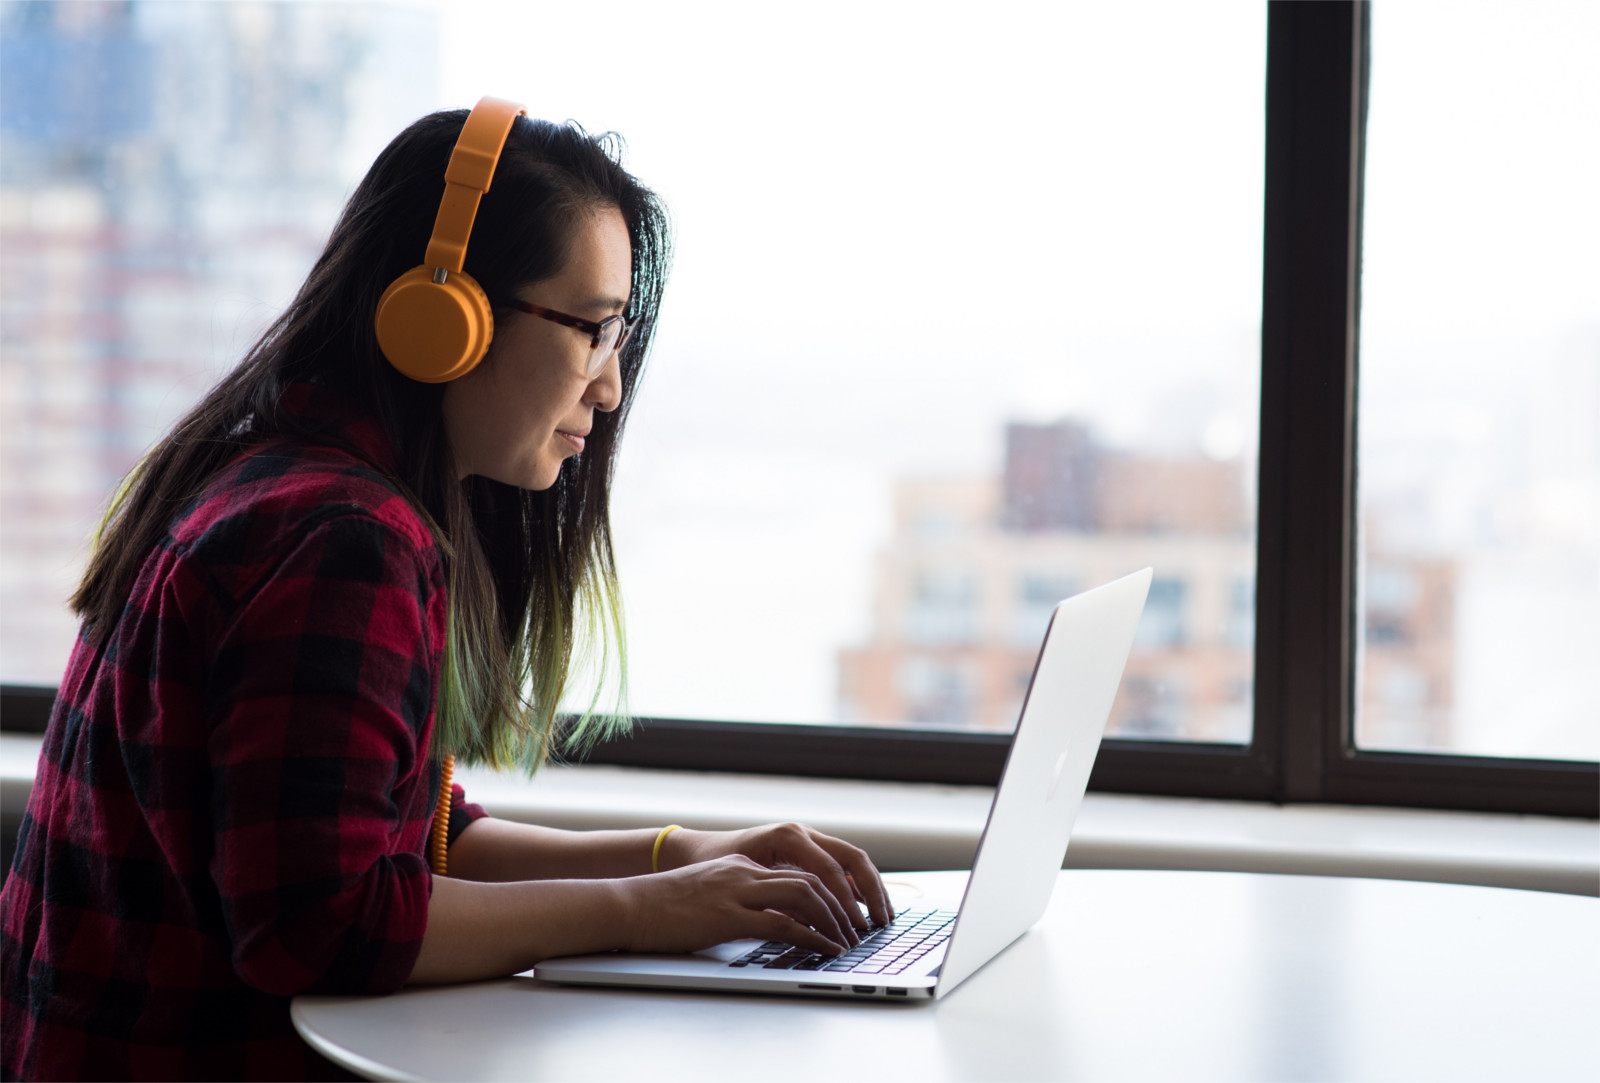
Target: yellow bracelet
(655,852)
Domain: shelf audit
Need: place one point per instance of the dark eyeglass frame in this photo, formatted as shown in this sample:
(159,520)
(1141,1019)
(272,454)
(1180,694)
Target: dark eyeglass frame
(595,331)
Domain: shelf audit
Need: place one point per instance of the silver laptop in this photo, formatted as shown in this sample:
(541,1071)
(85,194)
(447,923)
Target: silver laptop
(924,953)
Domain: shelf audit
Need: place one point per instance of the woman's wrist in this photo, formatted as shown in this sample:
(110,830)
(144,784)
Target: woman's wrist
(655,850)
(678,848)
(486,930)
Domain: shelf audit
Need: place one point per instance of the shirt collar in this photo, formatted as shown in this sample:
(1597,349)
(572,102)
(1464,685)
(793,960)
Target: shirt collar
(342,420)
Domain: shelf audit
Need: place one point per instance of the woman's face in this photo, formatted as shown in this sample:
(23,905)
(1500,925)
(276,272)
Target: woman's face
(529,404)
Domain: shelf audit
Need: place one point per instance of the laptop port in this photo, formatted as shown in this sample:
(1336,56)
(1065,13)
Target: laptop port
(897,992)
(827,988)
(864,989)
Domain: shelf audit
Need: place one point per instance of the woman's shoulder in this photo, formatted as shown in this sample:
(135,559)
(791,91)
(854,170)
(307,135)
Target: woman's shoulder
(273,496)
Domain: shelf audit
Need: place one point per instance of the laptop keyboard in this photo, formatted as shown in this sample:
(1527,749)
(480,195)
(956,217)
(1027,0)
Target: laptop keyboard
(884,949)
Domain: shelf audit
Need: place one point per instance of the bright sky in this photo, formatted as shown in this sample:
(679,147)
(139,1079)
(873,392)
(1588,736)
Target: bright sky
(906,155)
(1483,160)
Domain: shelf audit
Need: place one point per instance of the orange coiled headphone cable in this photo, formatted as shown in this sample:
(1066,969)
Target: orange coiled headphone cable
(439,836)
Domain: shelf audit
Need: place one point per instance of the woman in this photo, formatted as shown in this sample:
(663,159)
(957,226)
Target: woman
(327,580)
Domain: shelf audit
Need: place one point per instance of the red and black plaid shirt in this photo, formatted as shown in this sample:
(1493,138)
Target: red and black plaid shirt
(234,792)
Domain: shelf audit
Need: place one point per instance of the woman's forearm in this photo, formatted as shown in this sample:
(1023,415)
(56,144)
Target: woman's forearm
(499,851)
(482,930)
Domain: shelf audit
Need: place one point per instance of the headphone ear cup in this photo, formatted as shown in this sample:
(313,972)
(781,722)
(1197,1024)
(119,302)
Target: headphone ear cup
(434,331)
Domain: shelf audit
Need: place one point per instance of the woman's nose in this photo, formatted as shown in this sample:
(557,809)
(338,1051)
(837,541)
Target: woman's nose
(605,390)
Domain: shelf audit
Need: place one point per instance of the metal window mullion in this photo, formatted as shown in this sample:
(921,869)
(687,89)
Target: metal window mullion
(1308,342)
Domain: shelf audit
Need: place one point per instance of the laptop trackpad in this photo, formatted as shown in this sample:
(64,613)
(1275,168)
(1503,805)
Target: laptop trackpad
(728,952)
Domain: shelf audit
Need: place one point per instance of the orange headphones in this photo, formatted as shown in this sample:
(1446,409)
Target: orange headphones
(434,322)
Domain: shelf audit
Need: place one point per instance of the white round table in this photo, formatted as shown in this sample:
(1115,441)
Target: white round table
(1130,975)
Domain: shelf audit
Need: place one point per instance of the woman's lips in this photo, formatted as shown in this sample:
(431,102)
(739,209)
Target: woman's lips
(572,438)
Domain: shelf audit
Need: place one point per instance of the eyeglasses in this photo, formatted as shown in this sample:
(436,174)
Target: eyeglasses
(605,337)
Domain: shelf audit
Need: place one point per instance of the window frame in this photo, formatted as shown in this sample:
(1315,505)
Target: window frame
(1302,747)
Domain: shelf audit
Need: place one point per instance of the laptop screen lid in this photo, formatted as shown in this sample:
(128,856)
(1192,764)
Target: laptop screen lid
(1046,772)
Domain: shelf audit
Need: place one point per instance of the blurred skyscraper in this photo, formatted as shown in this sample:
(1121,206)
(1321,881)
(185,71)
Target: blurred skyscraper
(965,589)
(168,173)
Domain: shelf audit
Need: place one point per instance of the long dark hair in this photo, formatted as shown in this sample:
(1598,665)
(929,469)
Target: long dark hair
(531,575)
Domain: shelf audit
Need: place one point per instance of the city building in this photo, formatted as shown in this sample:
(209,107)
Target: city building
(965,589)
(170,173)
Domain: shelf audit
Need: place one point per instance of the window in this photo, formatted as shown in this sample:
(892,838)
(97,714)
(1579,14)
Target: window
(1479,422)
(1240,627)
(169,173)
(1161,625)
(938,691)
(837,463)
(1036,596)
(943,606)
(1308,635)
(1042,293)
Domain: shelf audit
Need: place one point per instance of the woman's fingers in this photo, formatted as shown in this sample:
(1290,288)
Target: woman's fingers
(806,848)
(845,870)
(728,898)
(832,884)
(812,882)
(845,912)
(866,884)
(802,893)
(772,925)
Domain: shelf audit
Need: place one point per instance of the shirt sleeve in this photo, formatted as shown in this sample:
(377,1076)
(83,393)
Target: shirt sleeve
(462,813)
(320,692)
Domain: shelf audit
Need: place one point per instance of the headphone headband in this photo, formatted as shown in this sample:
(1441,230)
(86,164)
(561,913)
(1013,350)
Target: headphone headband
(467,178)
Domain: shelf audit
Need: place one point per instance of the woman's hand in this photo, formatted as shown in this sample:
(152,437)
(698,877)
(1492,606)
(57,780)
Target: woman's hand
(845,872)
(732,898)
(482,930)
